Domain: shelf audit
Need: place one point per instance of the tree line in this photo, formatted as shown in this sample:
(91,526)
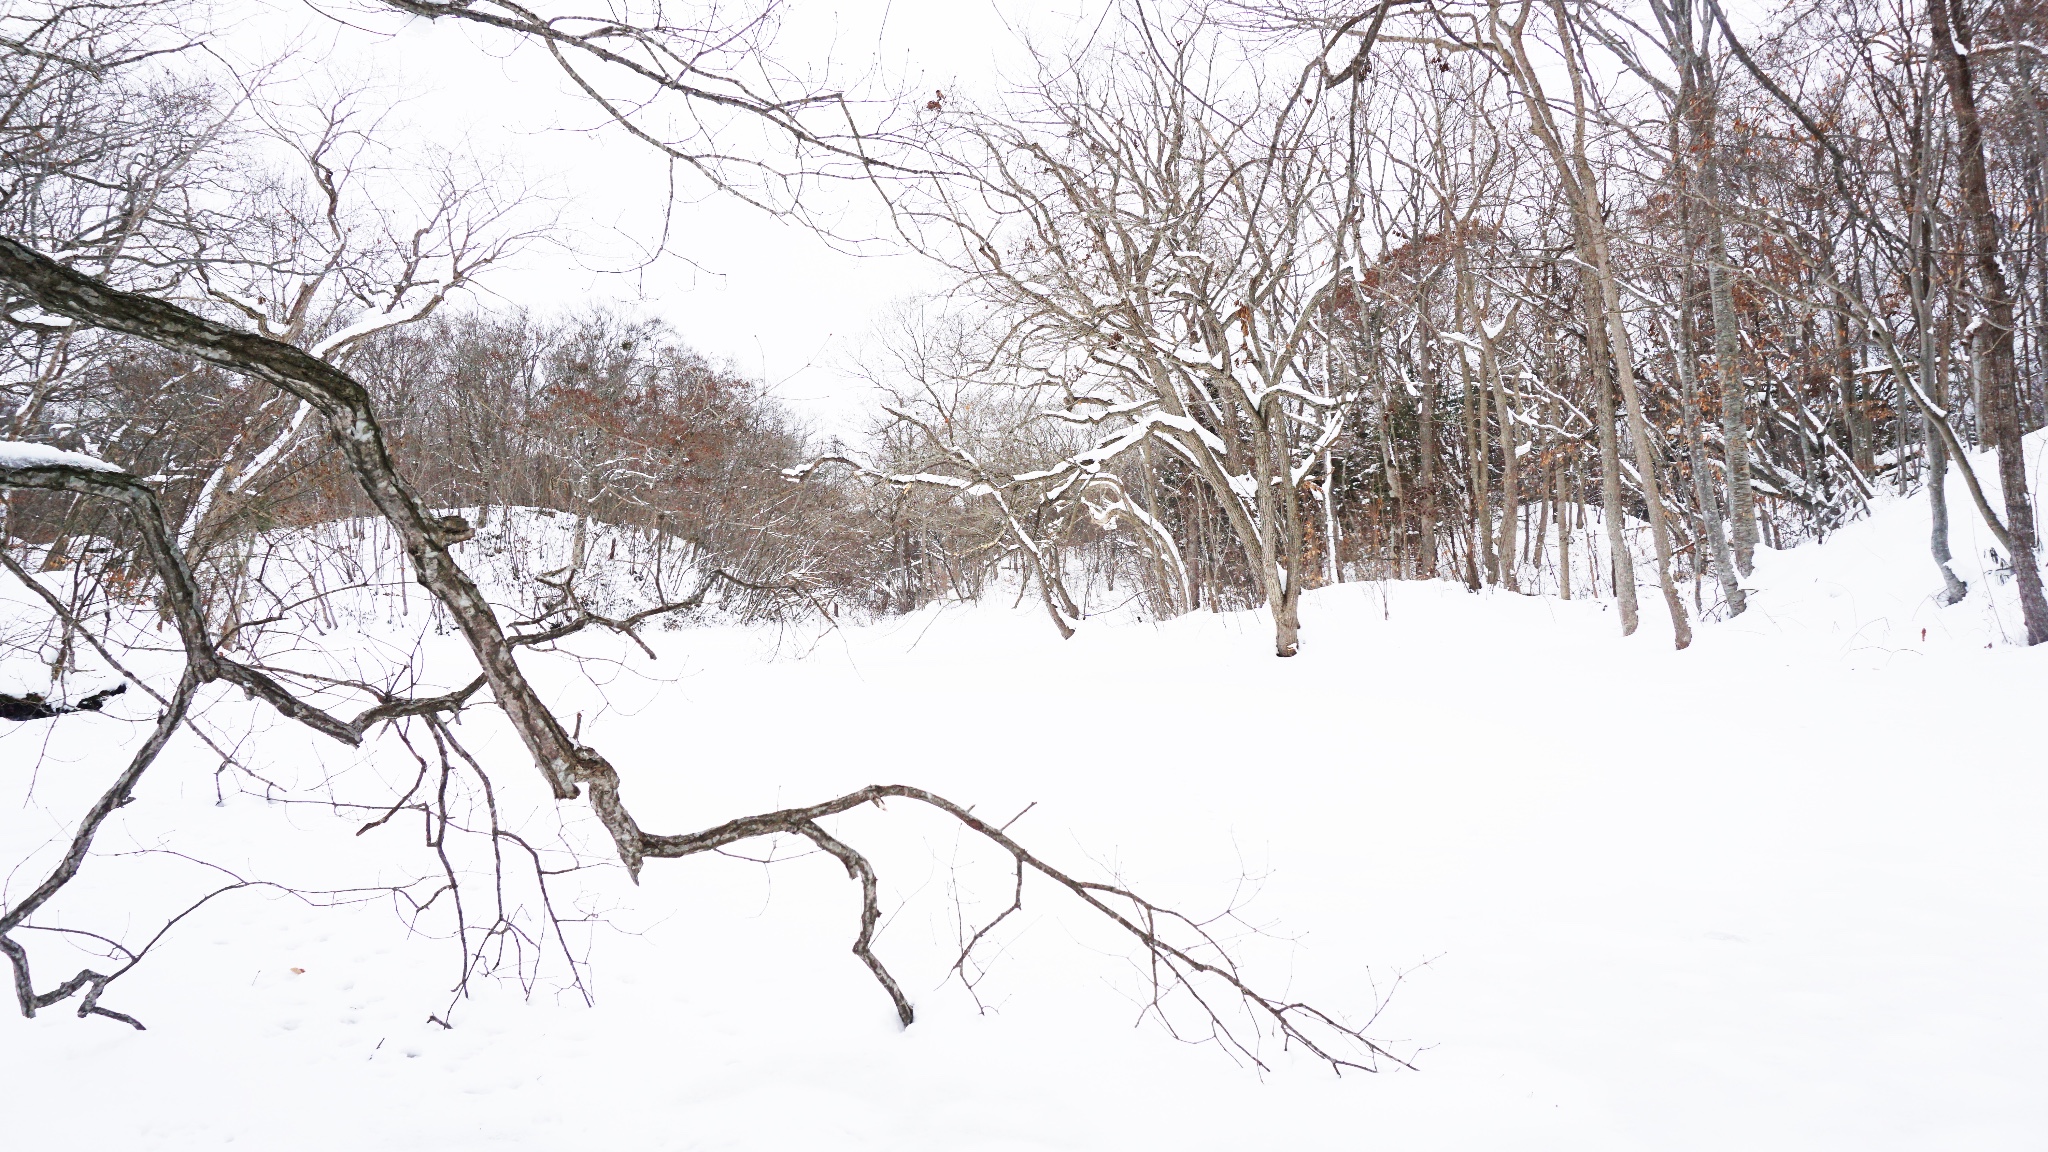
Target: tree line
(1241,300)
(1523,295)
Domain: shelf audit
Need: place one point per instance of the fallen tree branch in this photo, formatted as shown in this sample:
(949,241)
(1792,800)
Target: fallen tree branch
(1176,964)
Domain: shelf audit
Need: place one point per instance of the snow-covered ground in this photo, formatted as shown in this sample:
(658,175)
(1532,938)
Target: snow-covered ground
(1788,889)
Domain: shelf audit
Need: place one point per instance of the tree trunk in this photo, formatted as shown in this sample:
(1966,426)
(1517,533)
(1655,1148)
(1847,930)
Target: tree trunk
(1510,473)
(1691,240)
(1564,539)
(1638,430)
(1480,446)
(1623,566)
(1584,189)
(1702,111)
(1702,479)
(1854,419)
(1933,386)
(2001,400)
(1425,479)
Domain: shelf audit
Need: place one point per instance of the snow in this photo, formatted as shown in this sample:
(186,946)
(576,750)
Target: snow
(30,314)
(26,454)
(2006,46)
(1625,924)
(378,320)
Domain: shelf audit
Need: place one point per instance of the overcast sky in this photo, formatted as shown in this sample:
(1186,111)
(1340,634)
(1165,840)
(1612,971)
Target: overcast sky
(771,296)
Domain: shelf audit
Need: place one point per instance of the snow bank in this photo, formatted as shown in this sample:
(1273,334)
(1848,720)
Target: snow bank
(1867,595)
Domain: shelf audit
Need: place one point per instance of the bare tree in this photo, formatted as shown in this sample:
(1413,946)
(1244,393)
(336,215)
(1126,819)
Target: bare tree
(352,245)
(1162,233)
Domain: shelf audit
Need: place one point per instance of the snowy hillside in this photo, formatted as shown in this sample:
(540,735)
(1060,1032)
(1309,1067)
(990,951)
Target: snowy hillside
(1617,932)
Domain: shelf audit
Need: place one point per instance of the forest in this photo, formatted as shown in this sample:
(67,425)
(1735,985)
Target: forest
(1234,308)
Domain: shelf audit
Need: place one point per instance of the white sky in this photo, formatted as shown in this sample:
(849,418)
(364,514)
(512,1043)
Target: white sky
(772,297)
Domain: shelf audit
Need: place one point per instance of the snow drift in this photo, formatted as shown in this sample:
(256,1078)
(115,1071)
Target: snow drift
(1610,929)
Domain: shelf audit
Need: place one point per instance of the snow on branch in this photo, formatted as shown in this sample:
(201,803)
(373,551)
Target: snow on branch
(16,454)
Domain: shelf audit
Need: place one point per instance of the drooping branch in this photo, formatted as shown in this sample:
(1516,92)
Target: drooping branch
(30,277)
(859,869)
(698,72)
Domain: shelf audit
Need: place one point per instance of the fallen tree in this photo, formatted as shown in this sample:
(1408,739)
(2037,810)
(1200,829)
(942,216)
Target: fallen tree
(1186,961)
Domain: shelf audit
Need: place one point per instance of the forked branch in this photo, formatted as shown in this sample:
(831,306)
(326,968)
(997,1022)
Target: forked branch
(1176,964)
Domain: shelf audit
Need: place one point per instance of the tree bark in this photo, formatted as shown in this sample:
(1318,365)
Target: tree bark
(1564,538)
(1691,240)
(1425,478)
(1932,385)
(1510,469)
(2001,399)
(1702,112)
(1623,566)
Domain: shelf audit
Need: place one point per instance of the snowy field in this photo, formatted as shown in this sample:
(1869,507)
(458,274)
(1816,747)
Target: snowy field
(1619,928)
